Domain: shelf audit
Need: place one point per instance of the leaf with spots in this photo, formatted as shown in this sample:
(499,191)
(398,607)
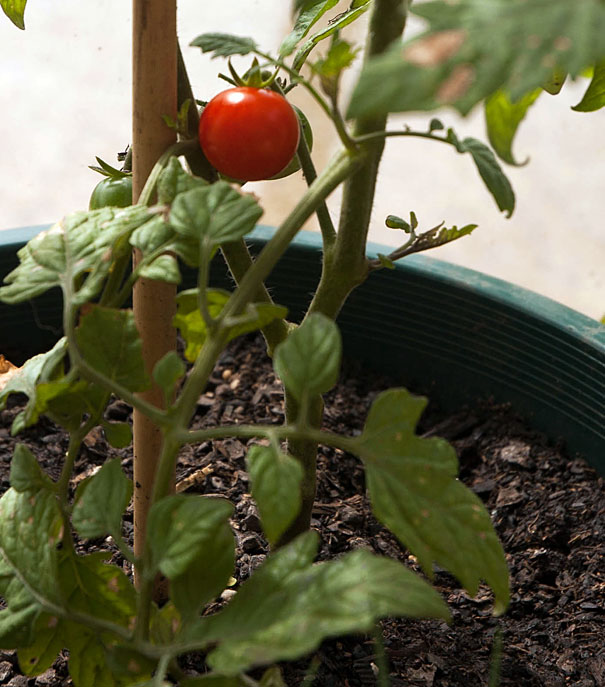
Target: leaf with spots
(472,48)
(415,493)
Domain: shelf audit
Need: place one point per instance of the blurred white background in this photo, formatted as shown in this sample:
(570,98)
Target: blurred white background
(65,84)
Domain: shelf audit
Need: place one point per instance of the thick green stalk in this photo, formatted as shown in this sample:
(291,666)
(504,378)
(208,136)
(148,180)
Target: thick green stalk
(345,265)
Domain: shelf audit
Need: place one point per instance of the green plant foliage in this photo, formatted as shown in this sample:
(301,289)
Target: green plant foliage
(343,58)
(308,362)
(594,98)
(92,587)
(25,472)
(414,492)
(224,44)
(175,180)
(14,10)
(109,341)
(101,502)
(289,606)
(79,248)
(118,434)
(490,171)
(193,546)
(276,478)
(194,329)
(18,617)
(308,14)
(473,48)
(33,518)
(503,117)
(216,213)
(36,370)
(213,681)
(340,56)
(167,373)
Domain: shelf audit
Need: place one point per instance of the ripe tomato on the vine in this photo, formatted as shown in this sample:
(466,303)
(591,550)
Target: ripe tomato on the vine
(249,133)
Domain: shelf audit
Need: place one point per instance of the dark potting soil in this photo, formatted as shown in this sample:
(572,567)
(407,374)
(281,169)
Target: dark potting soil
(548,509)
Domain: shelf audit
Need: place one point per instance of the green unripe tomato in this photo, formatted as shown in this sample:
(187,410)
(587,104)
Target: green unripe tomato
(112,192)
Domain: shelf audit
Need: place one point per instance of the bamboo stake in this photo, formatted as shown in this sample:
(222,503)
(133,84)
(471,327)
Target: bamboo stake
(154,50)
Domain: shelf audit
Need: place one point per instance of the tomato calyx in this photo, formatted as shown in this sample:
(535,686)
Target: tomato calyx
(255,77)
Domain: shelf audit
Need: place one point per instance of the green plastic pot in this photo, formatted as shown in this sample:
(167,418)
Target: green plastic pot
(454,332)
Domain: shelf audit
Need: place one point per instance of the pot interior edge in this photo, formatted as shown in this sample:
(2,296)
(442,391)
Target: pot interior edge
(453,332)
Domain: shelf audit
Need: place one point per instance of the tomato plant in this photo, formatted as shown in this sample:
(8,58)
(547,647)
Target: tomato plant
(249,133)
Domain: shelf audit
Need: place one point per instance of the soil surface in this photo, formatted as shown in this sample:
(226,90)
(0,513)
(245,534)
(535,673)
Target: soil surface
(548,509)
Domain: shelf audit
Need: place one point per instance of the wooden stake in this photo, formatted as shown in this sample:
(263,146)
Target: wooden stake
(154,50)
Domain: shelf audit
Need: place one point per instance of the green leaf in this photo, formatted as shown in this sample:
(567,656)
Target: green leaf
(193,546)
(260,599)
(174,180)
(472,48)
(308,361)
(118,434)
(503,117)
(414,492)
(109,341)
(101,502)
(66,400)
(439,236)
(276,478)
(36,370)
(92,586)
(14,10)
(80,249)
(38,656)
(26,475)
(30,529)
(218,213)
(167,373)
(491,173)
(192,326)
(88,663)
(163,268)
(224,44)
(272,677)
(309,13)
(318,601)
(157,236)
(20,611)
(340,58)
(128,664)
(594,98)
(555,81)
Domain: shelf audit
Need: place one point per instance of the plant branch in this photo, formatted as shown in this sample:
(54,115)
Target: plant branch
(345,267)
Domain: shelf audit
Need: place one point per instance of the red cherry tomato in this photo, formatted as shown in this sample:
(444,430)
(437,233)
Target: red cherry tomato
(249,133)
